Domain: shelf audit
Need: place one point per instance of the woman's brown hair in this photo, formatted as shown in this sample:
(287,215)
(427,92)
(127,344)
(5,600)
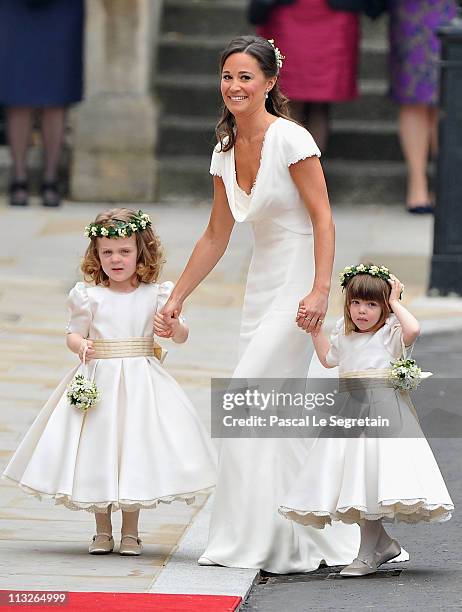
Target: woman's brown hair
(276,104)
(370,288)
(150,256)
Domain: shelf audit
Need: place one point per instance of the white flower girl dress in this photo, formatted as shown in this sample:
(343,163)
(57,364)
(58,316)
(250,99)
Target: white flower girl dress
(141,444)
(389,478)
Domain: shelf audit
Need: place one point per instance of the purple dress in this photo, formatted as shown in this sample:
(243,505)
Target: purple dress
(415,48)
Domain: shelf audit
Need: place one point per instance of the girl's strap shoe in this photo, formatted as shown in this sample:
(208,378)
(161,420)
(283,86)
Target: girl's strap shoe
(101,544)
(363,567)
(130,545)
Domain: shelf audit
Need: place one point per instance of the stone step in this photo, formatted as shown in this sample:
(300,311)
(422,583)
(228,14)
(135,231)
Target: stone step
(201,17)
(200,55)
(199,95)
(184,178)
(228,18)
(369,140)
(372,104)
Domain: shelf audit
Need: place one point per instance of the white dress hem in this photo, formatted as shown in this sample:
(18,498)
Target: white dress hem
(127,505)
(390,511)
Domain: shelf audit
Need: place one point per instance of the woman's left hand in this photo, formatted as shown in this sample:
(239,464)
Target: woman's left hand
(312,311)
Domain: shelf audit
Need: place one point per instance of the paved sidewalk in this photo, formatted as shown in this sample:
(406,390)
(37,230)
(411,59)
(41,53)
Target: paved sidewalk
(43,546)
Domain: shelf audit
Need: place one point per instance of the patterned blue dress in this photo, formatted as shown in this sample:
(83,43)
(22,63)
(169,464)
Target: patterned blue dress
(41,61)
(415,48)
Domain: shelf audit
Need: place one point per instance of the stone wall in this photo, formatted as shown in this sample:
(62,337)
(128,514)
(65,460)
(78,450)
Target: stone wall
(115,127)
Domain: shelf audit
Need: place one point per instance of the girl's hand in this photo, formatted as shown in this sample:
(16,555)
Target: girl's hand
(396,290)
(86,351)
(312,311)
(167,320)
(164,325)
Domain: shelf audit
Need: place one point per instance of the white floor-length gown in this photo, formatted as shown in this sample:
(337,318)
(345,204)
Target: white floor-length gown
(246,529)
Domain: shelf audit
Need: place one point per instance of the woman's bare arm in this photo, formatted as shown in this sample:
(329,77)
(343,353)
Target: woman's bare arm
(208,250)
(308,176)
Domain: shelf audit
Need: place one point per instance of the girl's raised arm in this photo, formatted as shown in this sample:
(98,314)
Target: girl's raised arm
(409,324)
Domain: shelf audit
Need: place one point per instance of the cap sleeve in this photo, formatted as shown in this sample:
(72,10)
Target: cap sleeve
(80,311)
(216,165)
(165,290)
(298,144)
(393,338)
(333,356)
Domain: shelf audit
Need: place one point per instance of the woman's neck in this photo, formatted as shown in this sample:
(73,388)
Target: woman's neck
(251,127)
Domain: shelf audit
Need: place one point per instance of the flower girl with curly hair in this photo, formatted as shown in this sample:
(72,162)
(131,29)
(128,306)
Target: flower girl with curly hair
(370,478)
(141,442)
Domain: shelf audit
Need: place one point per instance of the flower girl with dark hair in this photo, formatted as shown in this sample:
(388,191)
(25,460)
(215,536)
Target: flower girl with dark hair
(118,432)
(365,479)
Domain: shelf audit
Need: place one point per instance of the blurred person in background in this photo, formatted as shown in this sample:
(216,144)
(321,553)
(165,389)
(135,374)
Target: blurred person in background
(41,66)
(321,48)
(414,55)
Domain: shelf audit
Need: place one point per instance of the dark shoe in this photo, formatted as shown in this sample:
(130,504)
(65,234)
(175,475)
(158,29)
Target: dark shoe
(50,194)
(424,209)
(18,193)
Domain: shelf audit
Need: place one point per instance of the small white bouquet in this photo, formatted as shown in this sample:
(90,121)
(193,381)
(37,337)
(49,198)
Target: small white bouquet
(406,375)
(82,393)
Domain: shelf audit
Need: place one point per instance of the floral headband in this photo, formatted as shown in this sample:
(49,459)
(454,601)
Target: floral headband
(347,273)
(119,228)
(279,57)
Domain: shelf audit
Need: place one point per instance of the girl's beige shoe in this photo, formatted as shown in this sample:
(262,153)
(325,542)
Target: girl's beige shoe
(130,545)
(363,567)
(101,544)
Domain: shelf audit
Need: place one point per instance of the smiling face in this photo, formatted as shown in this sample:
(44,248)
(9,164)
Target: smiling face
(365,314)
(243,84)
(118,259)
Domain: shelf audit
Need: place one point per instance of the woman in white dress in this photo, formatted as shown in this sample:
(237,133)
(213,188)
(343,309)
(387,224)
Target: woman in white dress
(266,171)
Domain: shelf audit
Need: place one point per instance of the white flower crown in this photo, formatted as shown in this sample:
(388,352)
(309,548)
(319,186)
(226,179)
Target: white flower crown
(118,228)
(347,273)
(279,57)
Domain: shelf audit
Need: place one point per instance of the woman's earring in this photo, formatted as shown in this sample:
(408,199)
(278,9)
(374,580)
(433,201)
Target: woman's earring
(266,94)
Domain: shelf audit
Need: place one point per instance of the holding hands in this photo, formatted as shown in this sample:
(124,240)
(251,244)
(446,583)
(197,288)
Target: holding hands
(311,312)
(167,323)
